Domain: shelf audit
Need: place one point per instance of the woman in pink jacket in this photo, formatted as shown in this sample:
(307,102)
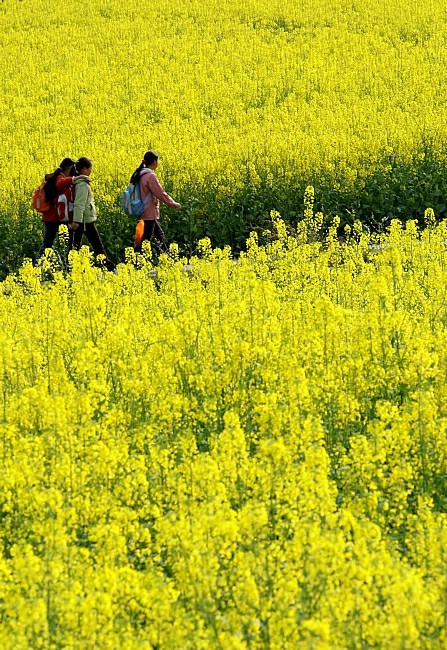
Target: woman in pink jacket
(148,228)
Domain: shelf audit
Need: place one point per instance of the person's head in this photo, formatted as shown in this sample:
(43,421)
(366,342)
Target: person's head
(84,166)
(67,166)
(150,159)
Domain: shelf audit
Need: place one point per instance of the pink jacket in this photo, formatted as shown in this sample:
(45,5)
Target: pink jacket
(150,183)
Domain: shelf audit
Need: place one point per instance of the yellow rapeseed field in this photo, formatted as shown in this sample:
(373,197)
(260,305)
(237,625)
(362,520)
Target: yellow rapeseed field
(247,101)
(222,455)
(216,84)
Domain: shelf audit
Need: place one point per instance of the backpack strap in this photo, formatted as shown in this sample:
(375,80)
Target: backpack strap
(146,199)
(149,194)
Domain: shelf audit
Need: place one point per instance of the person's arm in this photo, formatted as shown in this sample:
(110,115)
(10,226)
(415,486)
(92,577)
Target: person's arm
(63,182)
(80,202)
(160,194)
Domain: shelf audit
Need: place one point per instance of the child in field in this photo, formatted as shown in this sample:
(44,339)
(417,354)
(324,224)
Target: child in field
(55,184)
(148,228)
(84,212)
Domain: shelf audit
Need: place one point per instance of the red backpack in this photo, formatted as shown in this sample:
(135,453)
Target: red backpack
(40,201)
(65,203)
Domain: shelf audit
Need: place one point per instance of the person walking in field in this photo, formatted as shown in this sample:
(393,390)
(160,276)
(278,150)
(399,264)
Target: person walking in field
(148,228)
(84,212)
(55,184)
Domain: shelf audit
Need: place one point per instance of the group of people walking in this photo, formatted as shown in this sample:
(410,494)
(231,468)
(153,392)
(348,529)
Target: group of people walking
(77,173)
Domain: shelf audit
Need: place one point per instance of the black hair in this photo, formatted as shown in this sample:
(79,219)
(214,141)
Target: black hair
(148,158)
(82,162)
(50,179)
(66,163)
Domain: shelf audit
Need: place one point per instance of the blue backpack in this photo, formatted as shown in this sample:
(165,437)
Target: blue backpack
(131,200)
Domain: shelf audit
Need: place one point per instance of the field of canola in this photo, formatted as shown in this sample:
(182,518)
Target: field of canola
(239,456)
(235,456)
(247,102)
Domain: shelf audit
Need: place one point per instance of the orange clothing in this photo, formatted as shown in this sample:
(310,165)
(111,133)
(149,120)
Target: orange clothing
(139,233)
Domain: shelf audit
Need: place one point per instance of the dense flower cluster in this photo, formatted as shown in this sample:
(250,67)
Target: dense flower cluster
(242,454)
(240,98)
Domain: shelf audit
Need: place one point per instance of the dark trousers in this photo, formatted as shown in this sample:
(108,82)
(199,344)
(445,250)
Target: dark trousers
(50,230)
(154,233)
(91,232)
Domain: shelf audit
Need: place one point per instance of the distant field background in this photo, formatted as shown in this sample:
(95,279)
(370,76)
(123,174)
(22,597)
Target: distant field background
(246,102)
